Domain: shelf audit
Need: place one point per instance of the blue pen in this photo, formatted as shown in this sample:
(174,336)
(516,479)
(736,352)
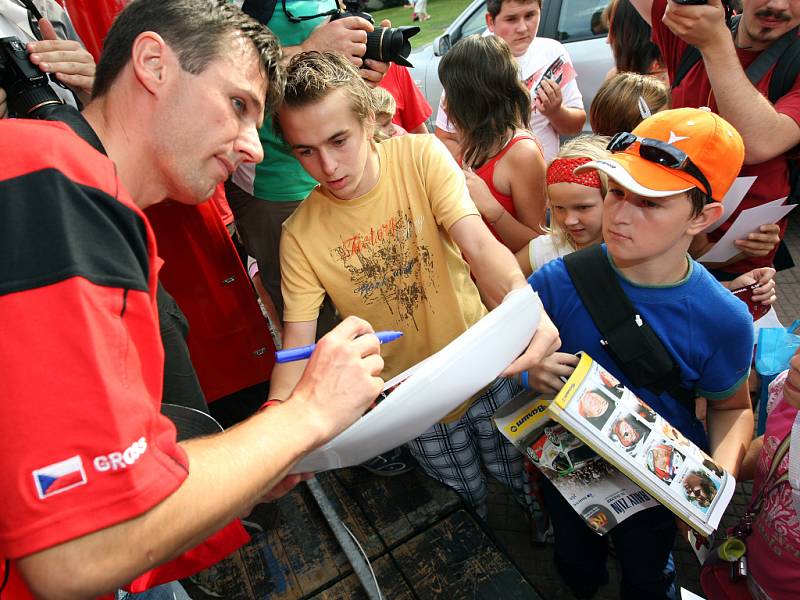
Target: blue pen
(304,352)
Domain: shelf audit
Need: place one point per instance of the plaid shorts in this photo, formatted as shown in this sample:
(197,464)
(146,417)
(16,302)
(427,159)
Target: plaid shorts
(459,453)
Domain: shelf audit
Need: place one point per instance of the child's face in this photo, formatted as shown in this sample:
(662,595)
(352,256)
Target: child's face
(578,210)
(334,148)
(384,124)
(640,229)
(517,23)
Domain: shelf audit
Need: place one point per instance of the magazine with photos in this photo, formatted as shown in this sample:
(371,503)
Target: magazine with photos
(598,492)
(625,431)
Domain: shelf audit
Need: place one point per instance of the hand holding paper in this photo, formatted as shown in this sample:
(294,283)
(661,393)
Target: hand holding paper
(747,222)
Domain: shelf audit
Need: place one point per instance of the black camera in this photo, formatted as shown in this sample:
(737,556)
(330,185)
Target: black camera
(385,45)
(27,89)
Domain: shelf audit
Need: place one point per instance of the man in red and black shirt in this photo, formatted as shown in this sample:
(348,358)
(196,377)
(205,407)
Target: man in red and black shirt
(95,489)
(719,81)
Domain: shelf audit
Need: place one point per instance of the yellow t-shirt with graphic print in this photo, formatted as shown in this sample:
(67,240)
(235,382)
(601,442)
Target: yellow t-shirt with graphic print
(387,256)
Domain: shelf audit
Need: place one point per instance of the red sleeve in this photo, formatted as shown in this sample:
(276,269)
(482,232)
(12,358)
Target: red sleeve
(790,103)
(670,45)
(412,108)
(83,445)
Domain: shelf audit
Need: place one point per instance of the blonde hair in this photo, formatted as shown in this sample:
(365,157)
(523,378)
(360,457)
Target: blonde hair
(312,76)
(383,105)
(584,146)
(617,107)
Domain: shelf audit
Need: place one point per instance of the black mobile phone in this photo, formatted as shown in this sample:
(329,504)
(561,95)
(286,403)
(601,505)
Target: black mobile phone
(554,72)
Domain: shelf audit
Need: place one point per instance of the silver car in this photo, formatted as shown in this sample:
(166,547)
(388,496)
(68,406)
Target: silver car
(571,22)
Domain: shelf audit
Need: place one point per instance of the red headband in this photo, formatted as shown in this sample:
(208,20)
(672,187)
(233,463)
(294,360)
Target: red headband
(562,170)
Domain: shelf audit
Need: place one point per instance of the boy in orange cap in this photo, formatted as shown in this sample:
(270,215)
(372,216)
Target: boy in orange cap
(666,182)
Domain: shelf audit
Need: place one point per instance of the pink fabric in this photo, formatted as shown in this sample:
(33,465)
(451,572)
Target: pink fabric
(773,549)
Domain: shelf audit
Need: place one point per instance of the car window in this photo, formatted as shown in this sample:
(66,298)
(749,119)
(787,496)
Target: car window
(476,23)
(581,19)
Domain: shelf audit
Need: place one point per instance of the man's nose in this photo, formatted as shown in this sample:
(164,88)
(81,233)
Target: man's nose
(249,145)
(778,5)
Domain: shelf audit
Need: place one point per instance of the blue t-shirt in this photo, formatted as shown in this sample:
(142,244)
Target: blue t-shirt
(707,330)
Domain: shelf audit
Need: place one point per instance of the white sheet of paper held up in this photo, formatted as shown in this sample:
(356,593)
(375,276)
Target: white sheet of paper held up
(747,222)
(732,200)
(436,386)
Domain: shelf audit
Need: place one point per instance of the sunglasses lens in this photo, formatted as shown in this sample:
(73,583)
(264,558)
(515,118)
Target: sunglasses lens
(621,141)
(662,156)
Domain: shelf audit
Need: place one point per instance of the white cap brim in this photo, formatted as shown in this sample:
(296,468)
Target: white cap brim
(619,174)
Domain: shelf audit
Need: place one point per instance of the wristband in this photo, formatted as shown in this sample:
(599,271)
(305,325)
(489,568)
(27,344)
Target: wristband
(268,403)
(523,380)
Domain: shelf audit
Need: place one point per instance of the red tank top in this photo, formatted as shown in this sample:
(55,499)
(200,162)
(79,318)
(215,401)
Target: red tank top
(486,172)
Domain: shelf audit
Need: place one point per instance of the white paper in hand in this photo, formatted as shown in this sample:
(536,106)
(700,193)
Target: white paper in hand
(436,386)
(747,222)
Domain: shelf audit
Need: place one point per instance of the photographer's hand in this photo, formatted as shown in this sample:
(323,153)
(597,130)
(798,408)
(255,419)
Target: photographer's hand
(701,25)
(70,62)
(3,105)
(348,36)
(373,71)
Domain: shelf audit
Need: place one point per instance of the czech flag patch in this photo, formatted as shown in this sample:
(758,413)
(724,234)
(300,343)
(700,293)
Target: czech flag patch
(59,477)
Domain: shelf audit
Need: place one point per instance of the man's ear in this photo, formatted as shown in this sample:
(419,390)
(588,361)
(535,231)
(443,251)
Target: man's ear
(490,22)
(711,213)
(150,59)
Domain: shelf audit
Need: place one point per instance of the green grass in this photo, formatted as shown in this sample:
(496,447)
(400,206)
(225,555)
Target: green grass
(442,13)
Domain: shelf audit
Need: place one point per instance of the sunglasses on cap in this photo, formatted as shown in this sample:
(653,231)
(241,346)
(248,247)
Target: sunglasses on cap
(661,153)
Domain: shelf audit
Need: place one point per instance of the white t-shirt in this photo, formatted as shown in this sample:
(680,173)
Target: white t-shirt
(14,22)
(532,65)
(544,248)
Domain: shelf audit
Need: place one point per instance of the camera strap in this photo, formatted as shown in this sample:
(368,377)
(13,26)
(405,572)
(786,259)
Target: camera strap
(260,10)
(32,9)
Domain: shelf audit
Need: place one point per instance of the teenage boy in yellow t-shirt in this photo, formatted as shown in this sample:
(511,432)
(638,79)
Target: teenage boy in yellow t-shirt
(383,235)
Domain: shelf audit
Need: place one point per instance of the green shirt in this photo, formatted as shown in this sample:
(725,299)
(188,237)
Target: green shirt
(279,177)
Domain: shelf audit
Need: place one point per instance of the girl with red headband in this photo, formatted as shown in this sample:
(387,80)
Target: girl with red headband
(576,204)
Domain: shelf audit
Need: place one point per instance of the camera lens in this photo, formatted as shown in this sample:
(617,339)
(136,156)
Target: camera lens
(390,45)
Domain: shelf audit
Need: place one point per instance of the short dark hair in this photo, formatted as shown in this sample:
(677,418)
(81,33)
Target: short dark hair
(493,7)
(699,199)
(196,30)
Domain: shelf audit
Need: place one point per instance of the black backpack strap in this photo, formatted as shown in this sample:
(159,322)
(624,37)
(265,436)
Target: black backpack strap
(786,71)
(260,10)
(630,341)
(689,58)
(761,65)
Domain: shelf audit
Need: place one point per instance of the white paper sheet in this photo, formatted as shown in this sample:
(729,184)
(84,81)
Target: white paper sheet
(732,200)
(437,385)
(687,595)
(747,222)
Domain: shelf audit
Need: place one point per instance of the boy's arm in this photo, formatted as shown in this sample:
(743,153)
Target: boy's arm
(748,469)
(497,273)
(492,264)
(286,375)
(730,428)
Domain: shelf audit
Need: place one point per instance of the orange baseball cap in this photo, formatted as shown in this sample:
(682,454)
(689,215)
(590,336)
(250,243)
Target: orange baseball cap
(711,144)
